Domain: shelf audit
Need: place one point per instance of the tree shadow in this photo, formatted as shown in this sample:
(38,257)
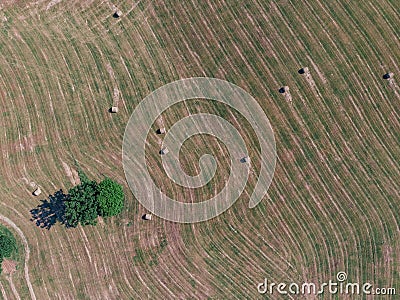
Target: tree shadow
(50,211)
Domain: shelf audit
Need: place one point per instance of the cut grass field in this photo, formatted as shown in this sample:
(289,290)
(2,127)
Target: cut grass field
(335,199)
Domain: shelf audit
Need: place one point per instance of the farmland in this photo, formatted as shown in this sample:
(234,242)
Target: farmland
(335,198)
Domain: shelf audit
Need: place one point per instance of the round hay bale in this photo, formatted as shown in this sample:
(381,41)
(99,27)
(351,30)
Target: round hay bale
(161,130)
(304,70)
(147,217)
(117,14)
(284,89)
(164,151)
(245,159)
(37,192)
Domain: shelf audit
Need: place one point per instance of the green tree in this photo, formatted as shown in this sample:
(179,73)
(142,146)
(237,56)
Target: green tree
(7,245)
(86,201)
(81,205)
(82,176)
(110,198)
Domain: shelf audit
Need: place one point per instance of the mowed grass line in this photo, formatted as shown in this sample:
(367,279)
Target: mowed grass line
(292,234)
(58,283)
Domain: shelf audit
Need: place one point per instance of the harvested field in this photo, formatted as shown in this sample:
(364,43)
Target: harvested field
(335,199)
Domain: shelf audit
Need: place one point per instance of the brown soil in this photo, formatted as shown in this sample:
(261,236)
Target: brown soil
(8,266)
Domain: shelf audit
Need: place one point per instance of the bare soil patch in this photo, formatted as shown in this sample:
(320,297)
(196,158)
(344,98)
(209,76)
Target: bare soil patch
(9,266)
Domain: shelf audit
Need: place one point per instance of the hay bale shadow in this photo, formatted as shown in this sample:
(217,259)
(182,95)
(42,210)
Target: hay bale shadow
(282,90)
(387,75)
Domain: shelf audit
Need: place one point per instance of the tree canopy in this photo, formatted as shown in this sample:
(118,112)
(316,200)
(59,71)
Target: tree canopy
(110,198)
(7,245)
(88,200)
(82,204)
